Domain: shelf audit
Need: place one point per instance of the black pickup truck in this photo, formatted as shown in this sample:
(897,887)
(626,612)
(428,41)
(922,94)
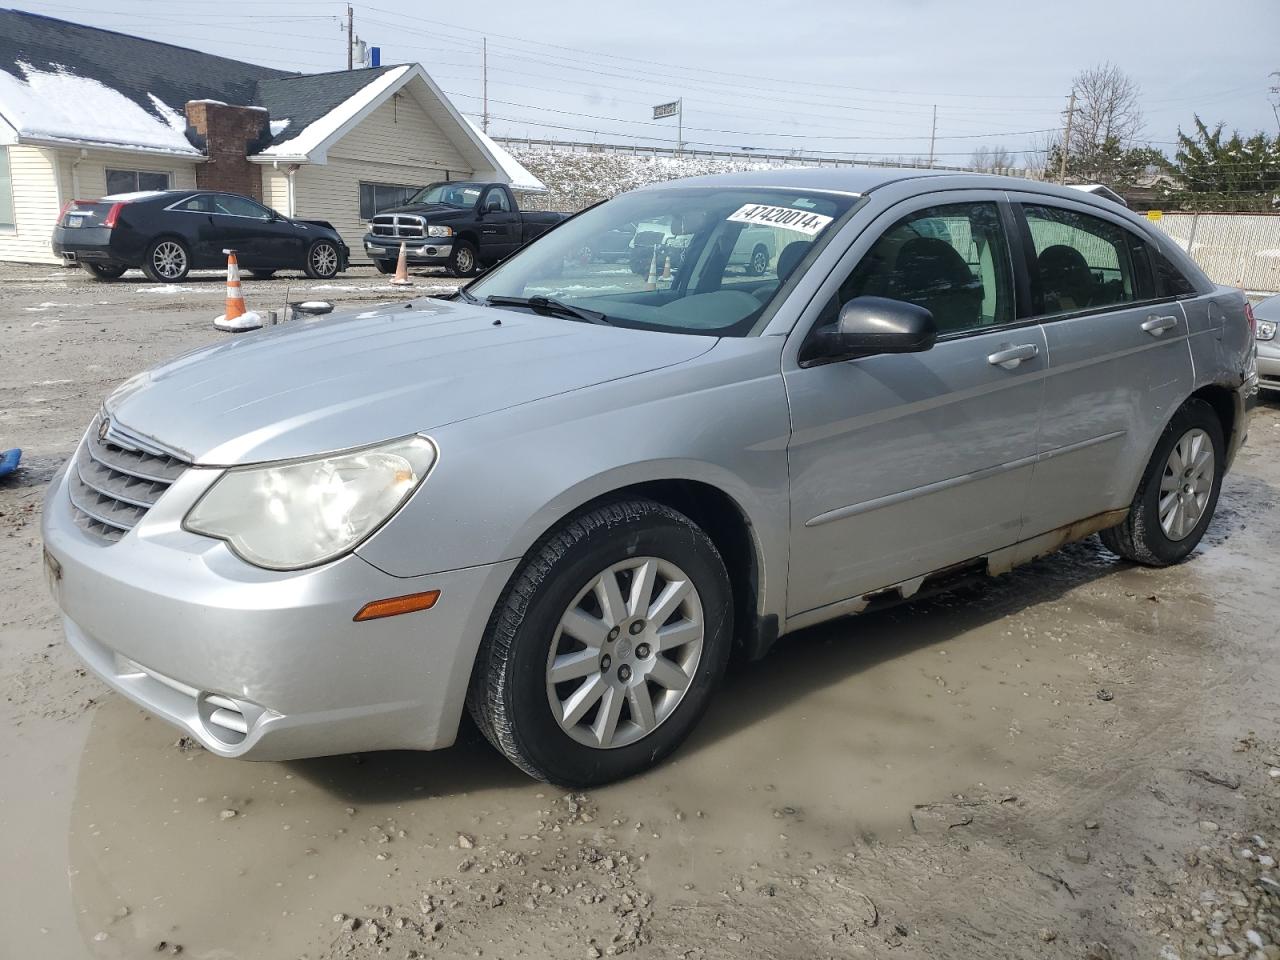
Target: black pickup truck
(460,225)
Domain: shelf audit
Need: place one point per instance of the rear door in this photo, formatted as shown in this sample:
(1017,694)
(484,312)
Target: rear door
(1119,363)
(905,464)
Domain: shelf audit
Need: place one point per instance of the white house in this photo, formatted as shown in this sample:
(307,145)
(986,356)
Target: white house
(86,113)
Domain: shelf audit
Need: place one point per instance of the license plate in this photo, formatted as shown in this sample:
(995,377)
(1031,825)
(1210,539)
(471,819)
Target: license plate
(53,574)
(75,221)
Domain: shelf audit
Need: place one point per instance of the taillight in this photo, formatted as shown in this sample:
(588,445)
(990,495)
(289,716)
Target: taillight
(1253,321)
(113,214)
(63,212)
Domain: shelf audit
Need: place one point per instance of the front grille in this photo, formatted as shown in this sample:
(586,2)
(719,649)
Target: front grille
(398,225)
(116,478)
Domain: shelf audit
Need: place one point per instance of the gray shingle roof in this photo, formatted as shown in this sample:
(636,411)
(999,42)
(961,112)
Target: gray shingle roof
(136,68)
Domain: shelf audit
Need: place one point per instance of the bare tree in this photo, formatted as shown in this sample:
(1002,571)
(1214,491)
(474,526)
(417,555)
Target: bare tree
(994,159)
(1108,116)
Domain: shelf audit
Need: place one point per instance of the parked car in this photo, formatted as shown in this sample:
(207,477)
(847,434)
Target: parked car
(460,225)
(751,253)
(565,505)
(612,245)
(1267,314)
(168,233)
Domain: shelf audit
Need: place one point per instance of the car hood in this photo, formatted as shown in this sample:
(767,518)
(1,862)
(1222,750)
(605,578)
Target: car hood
(314,386)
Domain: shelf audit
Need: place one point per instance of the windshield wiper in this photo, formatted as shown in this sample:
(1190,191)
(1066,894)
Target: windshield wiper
(550,307)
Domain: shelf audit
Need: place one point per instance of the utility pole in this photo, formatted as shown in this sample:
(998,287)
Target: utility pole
(1066,139)
(484,71)
(680,127)
(351,35)
(933,134)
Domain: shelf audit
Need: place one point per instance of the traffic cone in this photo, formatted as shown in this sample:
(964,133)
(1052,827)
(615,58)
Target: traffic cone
(401,279)
(666,269)
(651,281)
(236,319)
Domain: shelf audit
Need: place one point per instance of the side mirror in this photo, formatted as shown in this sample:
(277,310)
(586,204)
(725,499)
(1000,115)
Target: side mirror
(872,325)
(493,205)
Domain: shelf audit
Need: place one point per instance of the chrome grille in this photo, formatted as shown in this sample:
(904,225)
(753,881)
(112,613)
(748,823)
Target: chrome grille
(398,225)
(116,478)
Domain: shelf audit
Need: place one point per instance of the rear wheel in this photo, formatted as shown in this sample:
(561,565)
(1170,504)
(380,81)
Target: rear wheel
(385,266)
(605,647)
(759,260)
(1178,493)
(263,274)
(104,271)
(322,260)
(462,261)
(167,261)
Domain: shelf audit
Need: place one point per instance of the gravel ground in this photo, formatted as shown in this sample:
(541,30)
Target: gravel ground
(1079,760)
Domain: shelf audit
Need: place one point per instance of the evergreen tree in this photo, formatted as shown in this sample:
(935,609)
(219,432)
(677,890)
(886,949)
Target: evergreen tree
(1234,173)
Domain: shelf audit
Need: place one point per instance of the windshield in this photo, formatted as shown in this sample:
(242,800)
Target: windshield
(687,260)
(462,195)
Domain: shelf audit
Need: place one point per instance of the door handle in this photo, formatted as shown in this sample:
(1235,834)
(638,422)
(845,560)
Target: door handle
(1157,325)
(1010,357)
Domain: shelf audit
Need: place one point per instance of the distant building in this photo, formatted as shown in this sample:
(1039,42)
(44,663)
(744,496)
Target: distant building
(87,113)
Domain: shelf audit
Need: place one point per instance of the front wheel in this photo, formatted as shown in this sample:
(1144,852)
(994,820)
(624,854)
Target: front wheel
(322,260)
(385,266)
(1178,492)
(462,261)
(263,274)
(167,261)
(104,271)
(604,649)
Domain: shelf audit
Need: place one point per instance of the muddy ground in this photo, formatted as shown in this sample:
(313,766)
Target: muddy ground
(1080,760)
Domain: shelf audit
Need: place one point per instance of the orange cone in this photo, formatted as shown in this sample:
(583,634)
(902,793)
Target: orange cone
(651,281)
(236,318)
(401,279)
(666,269)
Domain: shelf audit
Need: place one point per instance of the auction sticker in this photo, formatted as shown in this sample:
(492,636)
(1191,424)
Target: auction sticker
(801,221)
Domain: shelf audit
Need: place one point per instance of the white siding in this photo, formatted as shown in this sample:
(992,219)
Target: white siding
(275,190)
(36,202)
(46,178)
(397,143)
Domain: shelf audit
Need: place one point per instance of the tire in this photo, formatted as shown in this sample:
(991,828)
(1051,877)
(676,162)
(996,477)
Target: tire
(462,261)
(511,691)
(262,274)
(385,266)
(1143,538)
(323,260)
(104,271)
(759,262)
(168,260)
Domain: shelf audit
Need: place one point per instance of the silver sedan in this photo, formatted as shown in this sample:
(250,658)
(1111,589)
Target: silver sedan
(1267,314)
(564,498)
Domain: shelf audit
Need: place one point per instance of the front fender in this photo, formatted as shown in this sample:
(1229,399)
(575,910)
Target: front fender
(505,479)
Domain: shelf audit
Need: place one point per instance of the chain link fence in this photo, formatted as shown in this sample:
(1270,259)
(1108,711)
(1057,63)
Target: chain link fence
(1238,249)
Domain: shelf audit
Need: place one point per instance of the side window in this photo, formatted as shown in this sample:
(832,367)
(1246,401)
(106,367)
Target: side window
(239,207)
(1169,280)
(504,205)
(1081,262)
(951,259)
(200,203)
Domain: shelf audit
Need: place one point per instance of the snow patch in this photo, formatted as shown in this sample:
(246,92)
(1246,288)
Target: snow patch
(58,105)
(279,126)
(519,177)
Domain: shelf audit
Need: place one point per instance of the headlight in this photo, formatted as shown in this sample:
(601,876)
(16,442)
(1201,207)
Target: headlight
(302,513)
(1266,330)
(438,231)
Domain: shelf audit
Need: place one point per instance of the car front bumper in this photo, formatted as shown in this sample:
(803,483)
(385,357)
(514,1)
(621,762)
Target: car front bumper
(421,251)
(260,664)
(1269,364)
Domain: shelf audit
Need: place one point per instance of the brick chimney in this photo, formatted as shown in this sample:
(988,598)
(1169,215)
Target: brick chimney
(228,134)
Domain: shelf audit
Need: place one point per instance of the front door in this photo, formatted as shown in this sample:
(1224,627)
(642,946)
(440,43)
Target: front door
(249,229)
(500,231)
(905,464)
(1119,362)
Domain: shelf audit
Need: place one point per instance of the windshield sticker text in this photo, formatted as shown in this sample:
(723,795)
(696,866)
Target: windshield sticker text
(801,221)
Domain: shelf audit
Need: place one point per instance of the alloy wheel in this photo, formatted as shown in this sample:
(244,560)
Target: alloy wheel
(1186,484)
(625,652)
(169,260)
(324,259)
(466,263)
(759,262)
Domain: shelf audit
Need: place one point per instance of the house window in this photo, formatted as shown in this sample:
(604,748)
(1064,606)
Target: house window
(131,181)
(375,197)
(6,191)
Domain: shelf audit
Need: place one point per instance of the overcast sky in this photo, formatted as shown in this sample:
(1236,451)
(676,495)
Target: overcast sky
(838,76)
